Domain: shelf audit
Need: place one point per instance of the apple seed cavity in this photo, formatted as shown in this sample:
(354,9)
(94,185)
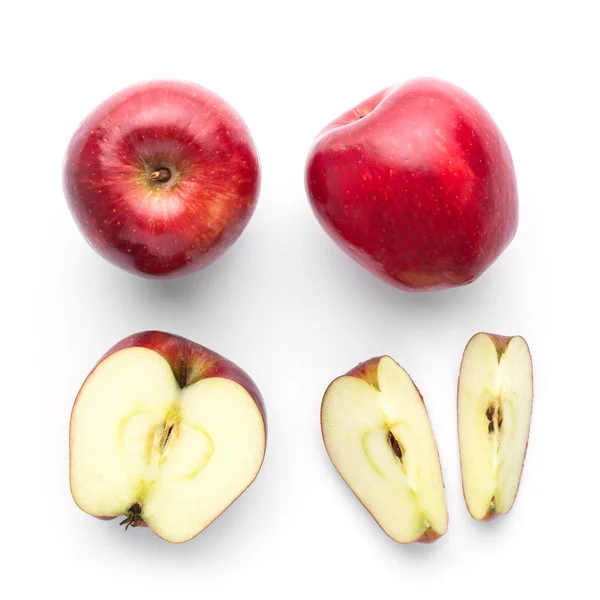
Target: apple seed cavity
(168,428)
(495,417)
(163,436)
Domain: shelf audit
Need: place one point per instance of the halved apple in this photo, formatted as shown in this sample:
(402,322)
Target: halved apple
(495,398)
(165,433)
(378,436)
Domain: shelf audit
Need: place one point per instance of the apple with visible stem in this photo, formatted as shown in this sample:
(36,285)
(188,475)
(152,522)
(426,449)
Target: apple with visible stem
(378,436)
(416,184)
(162,178)
(164,433)
(495,399)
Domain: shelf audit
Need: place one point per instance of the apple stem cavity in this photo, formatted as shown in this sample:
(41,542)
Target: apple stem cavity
(134,517)
(183,372)
(160,175)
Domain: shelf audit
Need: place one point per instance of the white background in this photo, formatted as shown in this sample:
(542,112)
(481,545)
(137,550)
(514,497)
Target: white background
(290,308)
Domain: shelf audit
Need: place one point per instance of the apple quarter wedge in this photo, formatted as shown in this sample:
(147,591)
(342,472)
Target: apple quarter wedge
(164,433)
(379,438)
(495,399)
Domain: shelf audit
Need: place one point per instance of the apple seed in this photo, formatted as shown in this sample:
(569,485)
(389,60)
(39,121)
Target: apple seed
(395,445)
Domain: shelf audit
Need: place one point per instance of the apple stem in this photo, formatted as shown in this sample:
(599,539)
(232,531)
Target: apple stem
(161,175)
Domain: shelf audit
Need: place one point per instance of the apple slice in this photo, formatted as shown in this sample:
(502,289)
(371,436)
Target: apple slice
(378,436)
(165,433)
(495,398)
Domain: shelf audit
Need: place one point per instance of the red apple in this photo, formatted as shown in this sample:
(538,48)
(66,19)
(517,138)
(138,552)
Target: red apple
(162,178)
(417,185)
(164,433)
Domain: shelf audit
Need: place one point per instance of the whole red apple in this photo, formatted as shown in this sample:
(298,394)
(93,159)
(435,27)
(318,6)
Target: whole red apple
(165,433)
(416,184)
(162,178)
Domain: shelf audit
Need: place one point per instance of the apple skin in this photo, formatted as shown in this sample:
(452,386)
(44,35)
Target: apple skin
(417,185)
(152,227)
(367,371)
(501,342)
(189,362)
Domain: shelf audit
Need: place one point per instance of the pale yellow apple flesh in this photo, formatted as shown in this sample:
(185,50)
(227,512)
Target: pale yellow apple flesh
(495,397)
(144,448)
(380,440)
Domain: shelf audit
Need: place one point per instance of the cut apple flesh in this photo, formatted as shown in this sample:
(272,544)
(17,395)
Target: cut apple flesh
(379,438)
(495,396)
(147,449)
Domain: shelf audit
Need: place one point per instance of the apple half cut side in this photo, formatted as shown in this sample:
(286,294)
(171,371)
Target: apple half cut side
(495,399)
(164,433)
(378,436)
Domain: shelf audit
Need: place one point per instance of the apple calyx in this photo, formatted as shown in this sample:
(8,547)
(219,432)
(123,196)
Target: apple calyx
(134,518)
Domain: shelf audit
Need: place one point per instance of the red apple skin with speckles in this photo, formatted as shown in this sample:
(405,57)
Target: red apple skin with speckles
(162,178)
(190,361)
(416,184)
